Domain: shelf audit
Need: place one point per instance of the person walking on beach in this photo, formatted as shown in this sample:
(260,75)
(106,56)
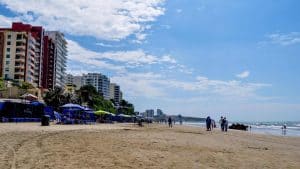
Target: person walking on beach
(225,124)
(170,122)
(213,124)
(222,123)
(208,123)
(283,129)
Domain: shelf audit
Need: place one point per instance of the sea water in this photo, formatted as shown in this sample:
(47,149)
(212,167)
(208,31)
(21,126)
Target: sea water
(272,128)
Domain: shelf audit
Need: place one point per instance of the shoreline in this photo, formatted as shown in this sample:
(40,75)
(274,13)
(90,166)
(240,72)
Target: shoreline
(266,130)
(29,145)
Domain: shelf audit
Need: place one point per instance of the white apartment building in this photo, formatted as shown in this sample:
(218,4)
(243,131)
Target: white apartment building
(115,93)
(99,81)
(60,57)
(76,80)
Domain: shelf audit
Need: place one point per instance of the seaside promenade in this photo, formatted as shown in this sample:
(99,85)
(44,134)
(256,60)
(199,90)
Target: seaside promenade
(29,145)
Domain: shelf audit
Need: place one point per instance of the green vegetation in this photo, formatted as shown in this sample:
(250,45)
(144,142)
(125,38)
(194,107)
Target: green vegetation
(86,95)
(2,84)
(126,108)
(26,86)
(55,98)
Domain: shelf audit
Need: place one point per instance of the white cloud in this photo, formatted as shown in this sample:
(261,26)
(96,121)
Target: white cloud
(178,10)
(168,58)
(115,60)
(284,39)
(108,20)
(82,55)
(106,45)
(166,26)
(155,85)
(140,84)
(5,22)
(243,75)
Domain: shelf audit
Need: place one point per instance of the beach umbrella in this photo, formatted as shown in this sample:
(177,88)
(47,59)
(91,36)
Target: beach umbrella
(101,112)
(124,115)
(70,105)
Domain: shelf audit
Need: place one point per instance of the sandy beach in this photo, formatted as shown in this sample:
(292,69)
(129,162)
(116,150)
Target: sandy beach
(29,145)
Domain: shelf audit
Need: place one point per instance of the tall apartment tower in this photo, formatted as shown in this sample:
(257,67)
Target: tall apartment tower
(99,81)
(22,53)
(115,93)
(56,59)
(48,63)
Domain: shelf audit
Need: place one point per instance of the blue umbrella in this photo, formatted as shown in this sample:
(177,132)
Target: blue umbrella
(71,105)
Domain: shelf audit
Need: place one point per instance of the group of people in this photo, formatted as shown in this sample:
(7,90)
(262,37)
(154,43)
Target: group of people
(210,124)
(223,123)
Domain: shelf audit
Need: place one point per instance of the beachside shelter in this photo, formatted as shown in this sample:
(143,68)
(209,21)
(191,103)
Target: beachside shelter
(124,118)
(71,113)
(72,106)
(104,116)
(28,96)
(102,112)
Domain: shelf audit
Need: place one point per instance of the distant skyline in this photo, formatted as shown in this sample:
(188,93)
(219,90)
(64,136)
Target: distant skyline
(196,58)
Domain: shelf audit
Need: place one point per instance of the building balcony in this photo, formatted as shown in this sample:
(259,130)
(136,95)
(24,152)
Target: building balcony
(19,73)
(20,56)
(21,40)
(21,47)
(19,66)
(20,52)
(20,60)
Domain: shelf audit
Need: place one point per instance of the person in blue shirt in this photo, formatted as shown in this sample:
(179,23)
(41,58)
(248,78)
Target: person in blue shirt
(208,123)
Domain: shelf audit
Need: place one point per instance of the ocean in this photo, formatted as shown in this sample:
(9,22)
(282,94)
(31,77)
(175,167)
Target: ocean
(272,128)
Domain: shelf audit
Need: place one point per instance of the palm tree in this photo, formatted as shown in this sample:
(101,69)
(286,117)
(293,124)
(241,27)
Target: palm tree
(55,98)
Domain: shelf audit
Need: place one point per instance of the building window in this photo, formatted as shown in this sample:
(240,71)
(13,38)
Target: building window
(7,49)
(7,56)
(8,43)
(7,69)
(19,36)
(7,62)
(8,36)
(6,76)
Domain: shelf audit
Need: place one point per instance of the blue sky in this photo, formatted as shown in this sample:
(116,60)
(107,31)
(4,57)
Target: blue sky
(198,57)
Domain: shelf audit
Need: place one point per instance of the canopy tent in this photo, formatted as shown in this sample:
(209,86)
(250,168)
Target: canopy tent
(124,115)
(36,103)
(28,96)
(102,112)
(72,106)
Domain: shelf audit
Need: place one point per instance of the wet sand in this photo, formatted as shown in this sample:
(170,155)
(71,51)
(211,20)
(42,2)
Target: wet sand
(29,145)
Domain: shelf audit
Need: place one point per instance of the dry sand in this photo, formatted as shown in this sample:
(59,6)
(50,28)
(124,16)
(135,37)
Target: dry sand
(29,145)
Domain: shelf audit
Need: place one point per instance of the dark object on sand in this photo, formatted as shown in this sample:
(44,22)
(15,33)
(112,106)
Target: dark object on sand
(238,127)
(140,123)
(45,120)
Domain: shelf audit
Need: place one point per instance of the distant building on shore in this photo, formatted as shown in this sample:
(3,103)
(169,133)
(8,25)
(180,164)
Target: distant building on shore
(99,81)
(69,79)
(115,93)
(148,113)
(75,80)
(159,112)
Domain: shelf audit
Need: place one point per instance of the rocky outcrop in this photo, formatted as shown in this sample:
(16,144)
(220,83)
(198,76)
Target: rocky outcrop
(238,126)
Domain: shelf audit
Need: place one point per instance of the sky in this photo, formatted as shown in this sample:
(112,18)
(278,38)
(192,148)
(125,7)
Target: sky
(239,59)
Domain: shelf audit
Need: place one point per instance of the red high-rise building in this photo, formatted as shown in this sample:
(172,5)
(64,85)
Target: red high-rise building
(22,53)
(48,63)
